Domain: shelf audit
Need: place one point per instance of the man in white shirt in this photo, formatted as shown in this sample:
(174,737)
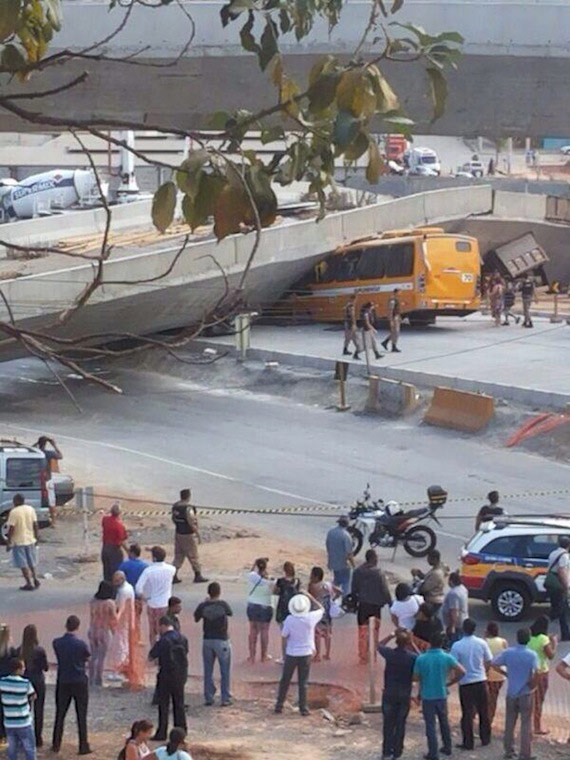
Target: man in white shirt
(559,564)
(155,587)
(475,656)
(299,632)
(22,539)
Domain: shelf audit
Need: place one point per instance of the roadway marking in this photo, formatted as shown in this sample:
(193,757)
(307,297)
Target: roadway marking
(165,460)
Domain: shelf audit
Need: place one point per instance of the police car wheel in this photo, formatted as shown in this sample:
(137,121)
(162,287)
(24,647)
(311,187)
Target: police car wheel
(510,601)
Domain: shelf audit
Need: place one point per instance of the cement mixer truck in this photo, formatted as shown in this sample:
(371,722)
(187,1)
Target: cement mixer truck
(46,193)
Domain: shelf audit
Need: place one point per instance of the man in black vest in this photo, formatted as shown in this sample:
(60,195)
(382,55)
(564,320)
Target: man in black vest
(186,536)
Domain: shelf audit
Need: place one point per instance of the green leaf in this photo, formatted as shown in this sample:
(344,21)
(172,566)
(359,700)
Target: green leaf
(346,127)
(9,17)
(396,5)
(219,119)
(247,39)
(190,172)
(438,91)
(12,58)
(230,210)
(375,163)
(163,206)
(284,21)
(53,14)
(322,92)
(199,209)
(357,148)
(268,44)
(259,183)
(450,37)
(271,134)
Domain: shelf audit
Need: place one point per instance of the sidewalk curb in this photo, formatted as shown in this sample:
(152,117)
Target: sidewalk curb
(518,394)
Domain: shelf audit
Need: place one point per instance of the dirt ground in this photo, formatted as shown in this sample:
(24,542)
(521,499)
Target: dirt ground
(249,730)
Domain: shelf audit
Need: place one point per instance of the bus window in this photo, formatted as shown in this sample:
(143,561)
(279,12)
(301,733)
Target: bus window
(462,245)
(349,265)
(372,263)
(399,260)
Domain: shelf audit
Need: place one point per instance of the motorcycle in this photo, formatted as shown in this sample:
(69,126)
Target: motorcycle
(371,520)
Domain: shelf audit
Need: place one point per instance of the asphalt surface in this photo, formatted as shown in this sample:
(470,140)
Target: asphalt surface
(254,450)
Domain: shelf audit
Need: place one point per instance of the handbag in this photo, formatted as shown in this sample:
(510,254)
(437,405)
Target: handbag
(552,582)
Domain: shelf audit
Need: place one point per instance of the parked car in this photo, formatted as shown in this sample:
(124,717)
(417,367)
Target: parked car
(565,150)
(23,469)
(505,562)
(471,168)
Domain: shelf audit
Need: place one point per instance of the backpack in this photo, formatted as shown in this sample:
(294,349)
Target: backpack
(289,590)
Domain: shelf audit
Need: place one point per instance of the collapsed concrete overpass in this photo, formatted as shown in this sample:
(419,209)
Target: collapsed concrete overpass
(194,284)
(512,79)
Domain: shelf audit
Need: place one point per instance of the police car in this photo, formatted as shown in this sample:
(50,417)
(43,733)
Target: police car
(506,562)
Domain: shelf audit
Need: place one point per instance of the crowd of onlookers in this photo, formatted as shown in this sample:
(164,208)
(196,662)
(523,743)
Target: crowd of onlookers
(435,640)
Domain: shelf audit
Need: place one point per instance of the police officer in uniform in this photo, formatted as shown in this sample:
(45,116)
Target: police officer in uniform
(366,324)
(350,331)
(186,536)
(395,317)
(528,295)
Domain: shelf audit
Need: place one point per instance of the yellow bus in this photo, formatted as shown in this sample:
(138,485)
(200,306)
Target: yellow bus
(437,274)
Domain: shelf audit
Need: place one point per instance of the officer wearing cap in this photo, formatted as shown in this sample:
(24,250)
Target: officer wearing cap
(339,553)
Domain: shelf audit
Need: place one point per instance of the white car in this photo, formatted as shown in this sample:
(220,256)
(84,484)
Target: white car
(507,560)
(565,150)
(471,168)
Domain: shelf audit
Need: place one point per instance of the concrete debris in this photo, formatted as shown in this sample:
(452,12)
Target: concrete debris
(327,715)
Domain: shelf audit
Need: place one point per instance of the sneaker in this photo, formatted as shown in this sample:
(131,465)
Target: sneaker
(229,703)
(37,584)
(517,320)
(355,355)
(346,352)
(385,344)
(27,587)
(200,579)
(176,579)
(304,712)
(208,704)
(278,710)
(396,350)
(85,751)
(445,751)
(377,355)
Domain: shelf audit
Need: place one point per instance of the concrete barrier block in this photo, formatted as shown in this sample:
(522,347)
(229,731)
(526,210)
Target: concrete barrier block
(460,410)
(391,397)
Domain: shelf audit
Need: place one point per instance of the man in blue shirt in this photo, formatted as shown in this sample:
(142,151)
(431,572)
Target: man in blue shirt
(522,670)
(475,656)
(134,565)
(72,684)
(398,675)
(432,669)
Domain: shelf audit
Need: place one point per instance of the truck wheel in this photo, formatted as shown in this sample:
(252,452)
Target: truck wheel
(510,601)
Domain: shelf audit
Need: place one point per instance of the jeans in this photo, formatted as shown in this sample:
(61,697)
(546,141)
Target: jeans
(111,558)
(303,667)
(64,693)
(519,706)
(432,709)
(21,738)
(170,688)
(395,712)
(39,703)
(341,578)
(474,699)
(99,644)
(212,650)
(560,610)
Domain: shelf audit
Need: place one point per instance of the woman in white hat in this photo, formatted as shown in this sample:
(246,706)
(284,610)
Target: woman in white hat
(299,632)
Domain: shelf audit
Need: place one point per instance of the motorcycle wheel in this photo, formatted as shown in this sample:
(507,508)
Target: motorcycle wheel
(419,541)
(357,539)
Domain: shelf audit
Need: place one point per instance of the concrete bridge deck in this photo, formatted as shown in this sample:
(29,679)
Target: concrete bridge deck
(511,80)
